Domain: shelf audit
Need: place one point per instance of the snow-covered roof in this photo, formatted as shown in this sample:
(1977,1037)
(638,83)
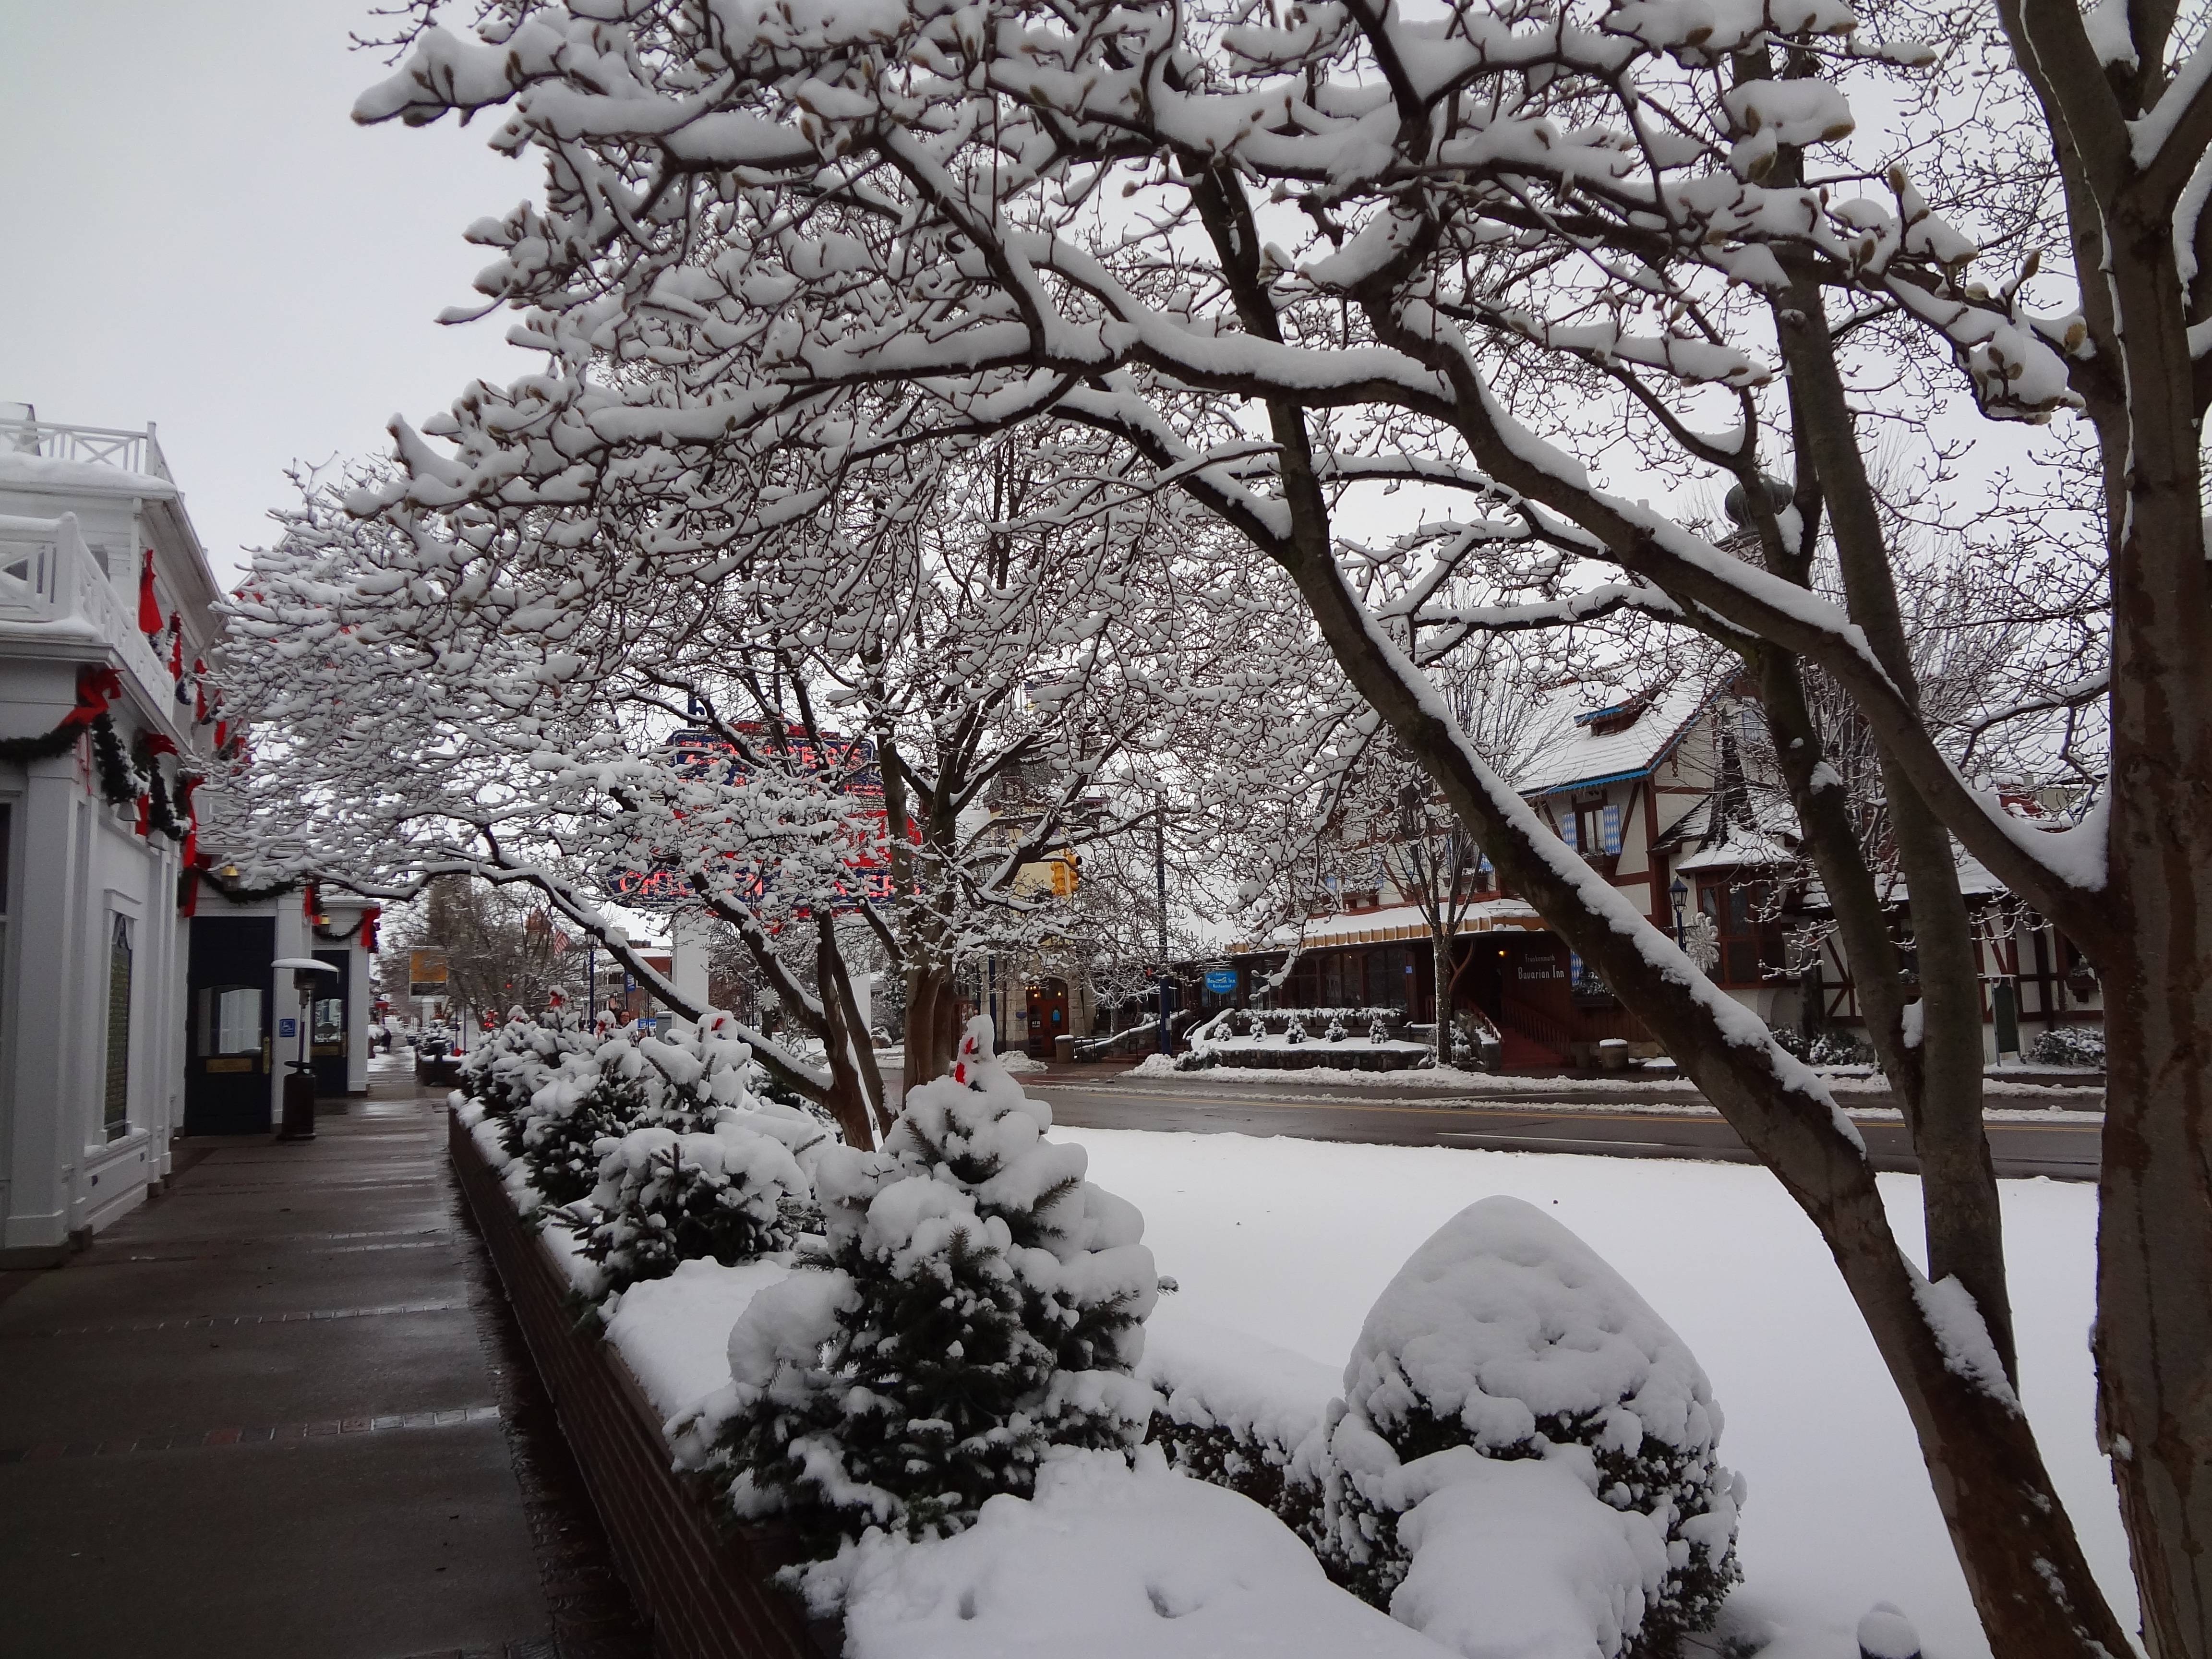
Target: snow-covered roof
(1577,738)
(1401,921)
(51,472)
(1737,847)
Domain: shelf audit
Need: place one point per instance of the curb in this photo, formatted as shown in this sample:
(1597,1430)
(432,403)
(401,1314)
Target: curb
(702,1585)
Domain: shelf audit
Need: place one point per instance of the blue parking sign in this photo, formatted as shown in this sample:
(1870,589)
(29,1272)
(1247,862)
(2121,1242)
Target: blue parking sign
(287,1028)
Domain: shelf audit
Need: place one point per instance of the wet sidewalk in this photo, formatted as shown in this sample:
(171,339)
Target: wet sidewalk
(282,1410)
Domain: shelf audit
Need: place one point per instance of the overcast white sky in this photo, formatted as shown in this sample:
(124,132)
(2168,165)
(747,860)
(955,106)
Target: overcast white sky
(197,235)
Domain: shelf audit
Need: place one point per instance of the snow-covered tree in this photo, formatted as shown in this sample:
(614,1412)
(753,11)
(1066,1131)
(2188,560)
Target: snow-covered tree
(979,1303)
(1542,265)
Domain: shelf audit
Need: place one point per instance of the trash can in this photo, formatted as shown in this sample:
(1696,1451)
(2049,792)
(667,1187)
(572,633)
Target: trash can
(1063,1048)
(1612,1054)
(299,1120)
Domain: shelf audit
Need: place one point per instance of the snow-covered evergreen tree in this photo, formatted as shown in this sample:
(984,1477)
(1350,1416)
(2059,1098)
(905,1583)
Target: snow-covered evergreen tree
(1507,1335)
(978,1304)
(727,1194)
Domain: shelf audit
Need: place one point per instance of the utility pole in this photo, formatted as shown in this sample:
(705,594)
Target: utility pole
(1160,873)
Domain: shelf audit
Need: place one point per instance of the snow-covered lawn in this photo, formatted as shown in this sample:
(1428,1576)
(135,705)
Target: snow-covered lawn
(1292,1240)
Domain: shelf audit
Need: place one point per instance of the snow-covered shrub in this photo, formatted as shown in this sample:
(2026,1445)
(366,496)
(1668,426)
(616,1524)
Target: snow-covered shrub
(1335,1031)
(1824,1048)
(503,1072)
(1505,1337)
(2070,1045)
(1378,1027)
(978,1304)
(1295,1030)
(631,1081)
(1233,1410)
(730,1194)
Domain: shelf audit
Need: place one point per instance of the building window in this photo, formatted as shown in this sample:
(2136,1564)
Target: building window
(117,1105)
(230,1020)
(1749,940)
(1593,829)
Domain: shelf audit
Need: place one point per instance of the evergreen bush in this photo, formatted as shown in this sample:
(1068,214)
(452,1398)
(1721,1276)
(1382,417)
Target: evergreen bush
(729,1194)
(976,1304)
(2070,1045)
(1506,1335)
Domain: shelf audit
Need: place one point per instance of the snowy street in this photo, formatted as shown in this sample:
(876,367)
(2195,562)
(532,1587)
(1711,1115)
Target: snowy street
(1673,1125)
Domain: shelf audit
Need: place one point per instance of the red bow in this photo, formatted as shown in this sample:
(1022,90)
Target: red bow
(150,612)
(95,689)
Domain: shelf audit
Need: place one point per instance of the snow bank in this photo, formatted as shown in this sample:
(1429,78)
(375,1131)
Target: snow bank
(674,1333)
(1105,1562)
(1519,1560)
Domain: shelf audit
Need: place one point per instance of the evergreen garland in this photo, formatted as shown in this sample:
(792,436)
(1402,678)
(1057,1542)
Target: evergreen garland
(161,812)
(46,746)
(119,779)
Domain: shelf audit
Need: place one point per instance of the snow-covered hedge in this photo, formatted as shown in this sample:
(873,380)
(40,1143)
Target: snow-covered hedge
(1233,1410)
(630,1080)
(1505,1338)
(504,1072)
(976,1304)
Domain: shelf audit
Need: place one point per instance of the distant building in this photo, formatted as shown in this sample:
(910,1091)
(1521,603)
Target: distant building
(1651,791)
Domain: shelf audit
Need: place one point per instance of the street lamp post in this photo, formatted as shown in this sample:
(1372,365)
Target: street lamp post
(1680,892)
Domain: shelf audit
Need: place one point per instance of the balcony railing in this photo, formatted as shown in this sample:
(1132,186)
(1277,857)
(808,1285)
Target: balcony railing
(127,452)
(50,578)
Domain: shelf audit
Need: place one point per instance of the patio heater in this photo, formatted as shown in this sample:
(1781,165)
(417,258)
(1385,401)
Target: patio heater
(299,1120)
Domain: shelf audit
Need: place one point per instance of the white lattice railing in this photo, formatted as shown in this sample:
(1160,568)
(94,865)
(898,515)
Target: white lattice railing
(48,576)
(129,451)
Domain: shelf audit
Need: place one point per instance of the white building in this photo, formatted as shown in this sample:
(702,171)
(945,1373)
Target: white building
(107,1048)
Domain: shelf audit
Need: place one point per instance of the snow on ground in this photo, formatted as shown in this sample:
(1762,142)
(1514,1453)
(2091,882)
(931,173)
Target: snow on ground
(1292,1241)
(1111,1563)
(674,1333)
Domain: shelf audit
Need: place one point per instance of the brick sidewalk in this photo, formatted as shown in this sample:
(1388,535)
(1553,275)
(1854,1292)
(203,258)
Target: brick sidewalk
(282,1410)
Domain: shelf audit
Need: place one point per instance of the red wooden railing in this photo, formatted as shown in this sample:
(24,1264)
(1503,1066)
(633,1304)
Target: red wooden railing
(1537,1025)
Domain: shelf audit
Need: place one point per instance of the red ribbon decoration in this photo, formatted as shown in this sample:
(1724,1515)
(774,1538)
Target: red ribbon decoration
(157,744)
(185,784)
(199,691)
(150,612)
(222,735)
(177,645)
(369,917)
(145,814)
(95,689)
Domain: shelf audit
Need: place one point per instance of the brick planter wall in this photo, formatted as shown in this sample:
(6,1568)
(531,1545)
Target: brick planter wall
(701,1584)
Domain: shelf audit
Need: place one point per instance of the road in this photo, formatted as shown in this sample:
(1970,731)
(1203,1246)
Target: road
(2065,1151)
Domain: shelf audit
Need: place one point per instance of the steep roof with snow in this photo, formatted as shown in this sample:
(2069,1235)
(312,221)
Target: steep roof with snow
(1586,734)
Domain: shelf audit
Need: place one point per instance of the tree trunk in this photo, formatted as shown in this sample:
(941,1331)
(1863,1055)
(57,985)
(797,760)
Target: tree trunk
(2031,1584)
(932,1024)
(855,1096)
(1447,981)
(2154,1332)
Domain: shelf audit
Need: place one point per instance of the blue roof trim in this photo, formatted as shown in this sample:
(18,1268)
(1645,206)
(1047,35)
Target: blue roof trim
(1592,783)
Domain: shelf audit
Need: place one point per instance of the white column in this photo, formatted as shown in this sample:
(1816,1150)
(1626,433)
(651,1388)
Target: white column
(688,949)
(43,1028)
